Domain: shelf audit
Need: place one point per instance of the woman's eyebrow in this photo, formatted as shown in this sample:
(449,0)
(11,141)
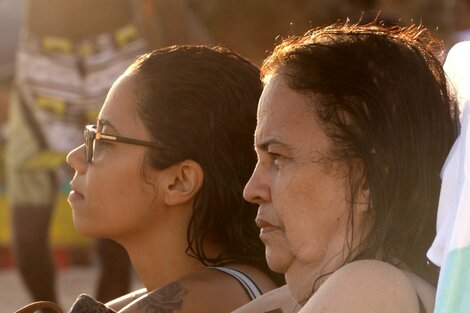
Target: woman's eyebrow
(104,122)
(264,145)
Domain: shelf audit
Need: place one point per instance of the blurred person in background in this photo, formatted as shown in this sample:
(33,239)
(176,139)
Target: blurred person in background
(171,22)
(10,16)
(69,54)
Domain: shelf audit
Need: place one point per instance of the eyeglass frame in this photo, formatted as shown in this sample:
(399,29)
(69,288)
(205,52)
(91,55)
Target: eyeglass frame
(93,129)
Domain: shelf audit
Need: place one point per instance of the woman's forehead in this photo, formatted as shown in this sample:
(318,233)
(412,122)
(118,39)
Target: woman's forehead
(286,116)
(281,104)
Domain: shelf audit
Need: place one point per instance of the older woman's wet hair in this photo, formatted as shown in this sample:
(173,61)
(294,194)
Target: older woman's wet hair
(382,97)
(201,103)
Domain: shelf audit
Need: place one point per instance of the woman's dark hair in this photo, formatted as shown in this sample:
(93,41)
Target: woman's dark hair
(201,103)
(382,97)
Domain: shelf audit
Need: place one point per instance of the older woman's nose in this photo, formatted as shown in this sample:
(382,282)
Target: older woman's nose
(257,189)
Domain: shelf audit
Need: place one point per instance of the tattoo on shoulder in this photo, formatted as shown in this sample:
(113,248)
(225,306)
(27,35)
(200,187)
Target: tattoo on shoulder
(164,300)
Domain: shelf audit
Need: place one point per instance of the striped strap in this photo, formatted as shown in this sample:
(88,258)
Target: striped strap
(250,286)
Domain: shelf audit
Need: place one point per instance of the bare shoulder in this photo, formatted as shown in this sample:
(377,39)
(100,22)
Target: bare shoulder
(279,298)
(119,303)
(169,298)
(206,290)
(365,286)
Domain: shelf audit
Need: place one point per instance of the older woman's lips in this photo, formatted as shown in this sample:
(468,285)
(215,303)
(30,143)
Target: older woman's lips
(264,226)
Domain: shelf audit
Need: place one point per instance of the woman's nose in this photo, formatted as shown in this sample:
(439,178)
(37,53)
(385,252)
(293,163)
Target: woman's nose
(257,189)
(76,159)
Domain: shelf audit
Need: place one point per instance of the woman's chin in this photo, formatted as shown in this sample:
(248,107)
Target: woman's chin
(85,230)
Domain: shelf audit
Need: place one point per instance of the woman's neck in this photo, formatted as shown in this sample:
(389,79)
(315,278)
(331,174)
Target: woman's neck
(159,267)
(161,259)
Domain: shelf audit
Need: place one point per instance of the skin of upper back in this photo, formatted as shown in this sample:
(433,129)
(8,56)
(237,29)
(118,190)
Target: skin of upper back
(367,286)
(371,286)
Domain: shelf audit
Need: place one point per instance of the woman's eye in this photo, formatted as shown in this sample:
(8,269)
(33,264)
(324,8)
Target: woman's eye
(276,158)
(100,145)
(102,142)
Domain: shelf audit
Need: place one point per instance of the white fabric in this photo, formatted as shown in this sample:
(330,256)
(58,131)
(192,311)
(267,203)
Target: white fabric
(457,67)
(451,247)
(453,218)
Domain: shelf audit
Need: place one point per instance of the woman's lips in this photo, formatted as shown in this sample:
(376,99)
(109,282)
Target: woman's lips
(264,226)
(74,196)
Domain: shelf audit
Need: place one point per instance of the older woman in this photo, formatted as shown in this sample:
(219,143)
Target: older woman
(354,125)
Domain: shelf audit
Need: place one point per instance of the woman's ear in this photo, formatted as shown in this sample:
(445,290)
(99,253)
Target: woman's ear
(363,197)
(182,182)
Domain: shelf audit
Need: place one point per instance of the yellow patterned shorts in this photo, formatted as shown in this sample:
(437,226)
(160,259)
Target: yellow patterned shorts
(25,184)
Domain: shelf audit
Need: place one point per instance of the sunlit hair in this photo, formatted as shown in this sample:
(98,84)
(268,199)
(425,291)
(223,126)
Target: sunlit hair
(201,102)
(382,97)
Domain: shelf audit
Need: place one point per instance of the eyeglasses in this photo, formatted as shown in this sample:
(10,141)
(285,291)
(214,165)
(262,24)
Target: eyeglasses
(92,135)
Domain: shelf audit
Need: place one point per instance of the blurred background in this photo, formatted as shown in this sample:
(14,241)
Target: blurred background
(62,56)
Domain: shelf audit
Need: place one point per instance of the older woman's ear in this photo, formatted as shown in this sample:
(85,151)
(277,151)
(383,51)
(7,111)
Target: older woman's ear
(363,199)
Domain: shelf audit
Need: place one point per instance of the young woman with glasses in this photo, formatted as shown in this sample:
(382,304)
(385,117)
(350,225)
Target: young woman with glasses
(162,173)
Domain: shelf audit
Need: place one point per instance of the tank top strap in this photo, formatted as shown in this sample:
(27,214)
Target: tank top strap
(251,288)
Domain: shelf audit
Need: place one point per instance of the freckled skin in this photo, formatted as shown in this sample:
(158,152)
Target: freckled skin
(300,193)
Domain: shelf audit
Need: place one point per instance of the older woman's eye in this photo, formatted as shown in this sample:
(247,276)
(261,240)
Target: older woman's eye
(276,159)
